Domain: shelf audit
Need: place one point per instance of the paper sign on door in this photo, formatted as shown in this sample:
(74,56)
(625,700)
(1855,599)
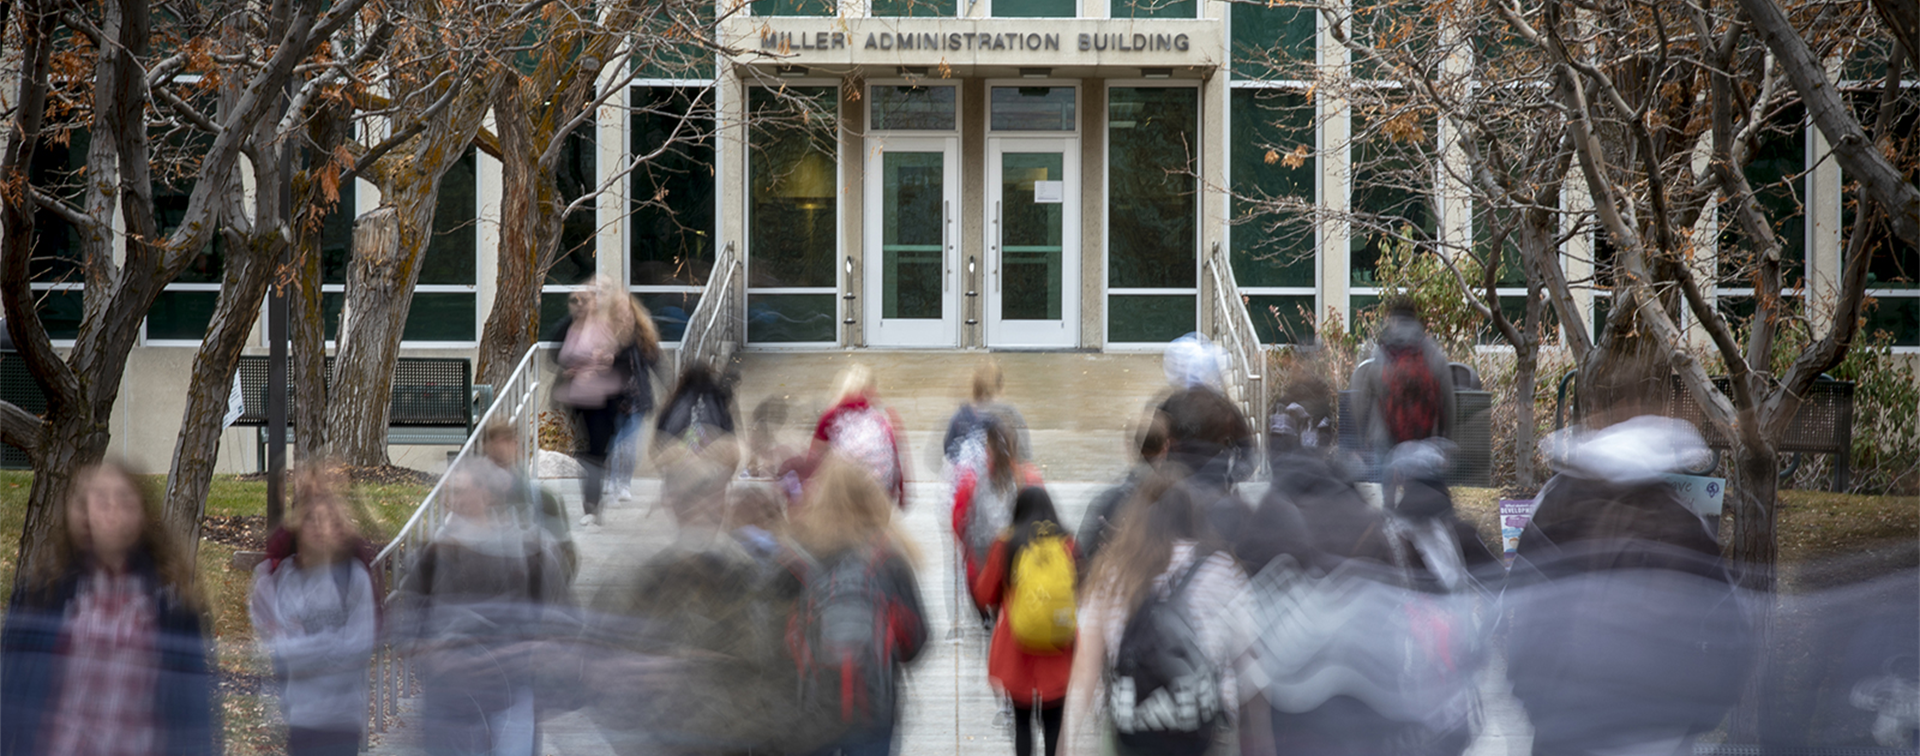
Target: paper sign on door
(1049,192)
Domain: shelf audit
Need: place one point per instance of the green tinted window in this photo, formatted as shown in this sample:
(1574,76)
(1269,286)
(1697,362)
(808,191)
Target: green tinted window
(1392,176)
(1282,319)
(1777,174)
(433,316)
(1154,8)
(449,258)
(672,225)
(336,237)
(61,312)
(679,60)
(913,108)
(794,7)
(56,169)
(919,8)
(1273,41)
(1149,319)
(1898,317)
(792,154)
(670,310)
(574,177)
(1895,263)
(790,317)
(181,315)
(1032,109)
(1153,207)
(1273,162)
(1035,8)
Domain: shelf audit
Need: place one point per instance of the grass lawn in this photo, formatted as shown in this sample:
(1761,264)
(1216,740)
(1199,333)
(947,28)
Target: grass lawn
(250,708)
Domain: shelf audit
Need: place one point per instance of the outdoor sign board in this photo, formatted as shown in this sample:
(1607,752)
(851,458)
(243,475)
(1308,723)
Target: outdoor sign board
(802,41)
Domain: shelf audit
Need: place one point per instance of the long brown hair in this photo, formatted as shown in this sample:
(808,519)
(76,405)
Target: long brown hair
(170,562)
(1161,512)
(1002,454)
(844,508)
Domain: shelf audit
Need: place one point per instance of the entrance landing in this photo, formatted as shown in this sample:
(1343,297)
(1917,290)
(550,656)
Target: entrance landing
(1080,407)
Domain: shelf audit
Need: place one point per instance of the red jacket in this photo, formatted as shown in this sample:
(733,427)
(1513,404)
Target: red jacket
(963,489)
(1015,671)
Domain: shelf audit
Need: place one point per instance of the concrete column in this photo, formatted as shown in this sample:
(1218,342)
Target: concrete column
(973,213)
(1824,241)
(488,183)
(1453,194)
(1336,130)
(1093,213)
(1577,256)
(1213,179)
(730,159)
(853,173)
(610,148)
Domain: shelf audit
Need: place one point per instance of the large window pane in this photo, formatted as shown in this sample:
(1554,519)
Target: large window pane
(1035,8)
(1032,255)
(1152,203)
(1895,263)
(1776,173)
(1154,8)
(1899,317)
(678,60)
(61,312)
(905,108)
(1273,161)
(1148,318)
(574,177)
(56,169)
(670,310)
(920,8)
(1272,41)
(1033,109)
(794,7)
(433,316)
(1286,319)
(181,315)
(789,317)
(791,164)
(912,228)
(672,225)
(1392,176)
(450,253)
(336,238)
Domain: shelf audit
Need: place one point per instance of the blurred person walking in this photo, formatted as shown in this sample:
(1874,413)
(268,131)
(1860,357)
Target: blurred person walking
(475,607)
(1405,391)
(593,376)
(315,611)
(965,443)
(104,651)
(642,353)
(1160,630)
(1102,517)
(694,446)
(983,499)
(859,429)
(1029,576)
(859,621)
(521,495)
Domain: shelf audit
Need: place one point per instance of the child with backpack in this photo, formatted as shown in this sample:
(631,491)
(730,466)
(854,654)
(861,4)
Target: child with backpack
(983,499)
(863,432)
(859,620)
(1160,630)
(1029,576)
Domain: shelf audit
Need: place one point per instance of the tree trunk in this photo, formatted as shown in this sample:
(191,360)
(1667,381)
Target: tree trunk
(1754,553)
(306,329)
(379,294)
(191,473)
(1525,375)
(529,223)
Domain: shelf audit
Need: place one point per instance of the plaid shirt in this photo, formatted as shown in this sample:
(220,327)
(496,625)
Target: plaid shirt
(108,654)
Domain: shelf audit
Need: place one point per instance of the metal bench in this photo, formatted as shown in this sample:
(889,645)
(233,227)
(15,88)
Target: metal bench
(1822,425)
(433,400)
(17,386)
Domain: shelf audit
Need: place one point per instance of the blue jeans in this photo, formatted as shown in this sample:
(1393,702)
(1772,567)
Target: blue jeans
(875,741)
(626,448)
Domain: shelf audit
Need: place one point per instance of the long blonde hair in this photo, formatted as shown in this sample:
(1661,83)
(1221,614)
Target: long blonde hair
(844,508)
(626,317)
(854,380)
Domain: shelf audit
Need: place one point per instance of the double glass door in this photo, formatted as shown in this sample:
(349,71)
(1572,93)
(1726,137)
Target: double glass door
(1032,283)
(911,240)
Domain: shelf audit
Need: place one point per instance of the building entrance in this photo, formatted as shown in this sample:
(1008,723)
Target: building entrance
(912,195)
(1033,242)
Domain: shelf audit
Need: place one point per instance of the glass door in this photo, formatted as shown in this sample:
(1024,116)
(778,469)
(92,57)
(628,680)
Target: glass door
(912,192)
(1033,242)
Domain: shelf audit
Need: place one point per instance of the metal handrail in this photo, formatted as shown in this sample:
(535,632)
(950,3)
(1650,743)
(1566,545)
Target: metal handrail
(1232,330)
(515,403)
(716,328)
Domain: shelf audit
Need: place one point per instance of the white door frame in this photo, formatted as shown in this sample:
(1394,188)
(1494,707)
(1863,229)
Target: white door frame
(943,333)
(1035,334)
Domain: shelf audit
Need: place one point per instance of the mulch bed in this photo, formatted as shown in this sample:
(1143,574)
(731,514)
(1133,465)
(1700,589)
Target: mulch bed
(245,532)
(376,474)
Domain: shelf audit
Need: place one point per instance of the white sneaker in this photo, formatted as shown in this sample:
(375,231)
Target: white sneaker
(586,519)
(626,493)
(597,522)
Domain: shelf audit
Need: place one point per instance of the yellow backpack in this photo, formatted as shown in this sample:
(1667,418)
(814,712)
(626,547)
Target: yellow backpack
(1041,608)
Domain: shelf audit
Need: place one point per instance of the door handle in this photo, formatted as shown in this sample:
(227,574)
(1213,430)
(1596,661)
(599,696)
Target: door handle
(996,246)
(946,243)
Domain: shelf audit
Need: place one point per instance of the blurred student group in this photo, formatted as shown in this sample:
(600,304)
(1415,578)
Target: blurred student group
(1339,607)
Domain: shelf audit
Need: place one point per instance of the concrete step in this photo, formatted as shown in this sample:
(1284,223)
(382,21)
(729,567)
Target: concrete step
(1080,407)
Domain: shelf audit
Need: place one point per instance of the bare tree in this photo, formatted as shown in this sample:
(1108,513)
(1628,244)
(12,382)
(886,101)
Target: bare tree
(110,71)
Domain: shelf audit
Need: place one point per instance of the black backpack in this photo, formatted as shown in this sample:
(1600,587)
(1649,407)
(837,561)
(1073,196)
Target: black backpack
(1163,693)
(839,636)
